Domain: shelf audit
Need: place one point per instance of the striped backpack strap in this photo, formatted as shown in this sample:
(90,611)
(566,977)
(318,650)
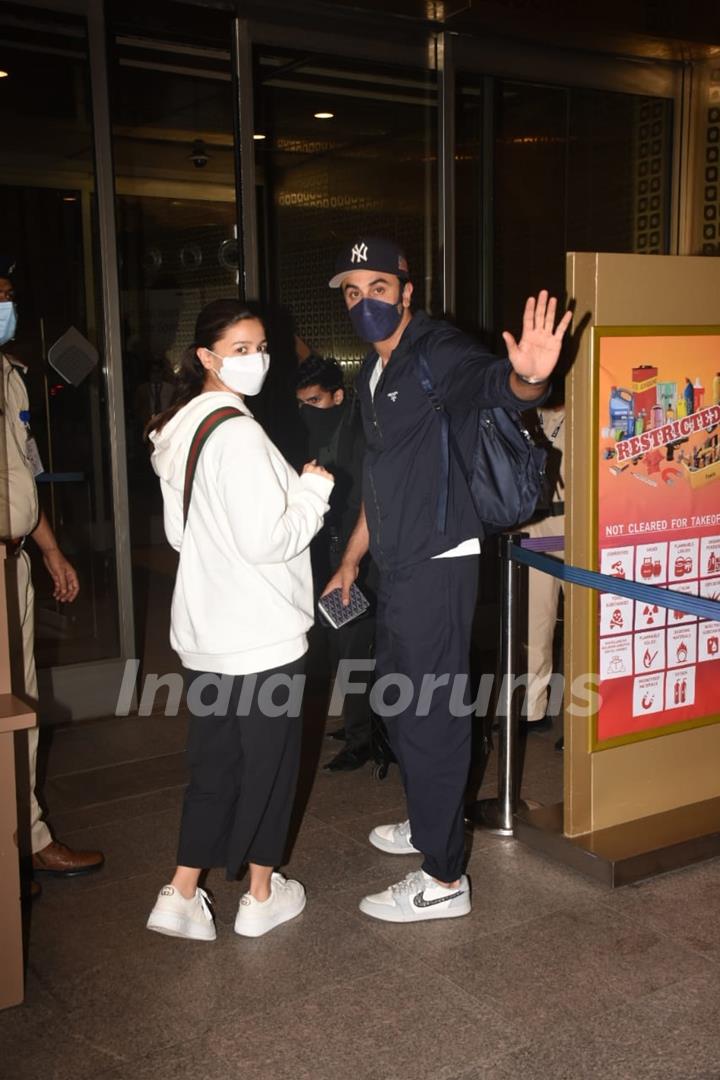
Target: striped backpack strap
(205,429)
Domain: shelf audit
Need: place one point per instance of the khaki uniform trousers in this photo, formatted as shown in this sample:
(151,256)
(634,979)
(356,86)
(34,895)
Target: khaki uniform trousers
(24,676)
(543,596)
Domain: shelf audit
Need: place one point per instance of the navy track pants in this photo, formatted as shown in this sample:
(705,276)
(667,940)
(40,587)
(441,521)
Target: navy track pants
(424,625)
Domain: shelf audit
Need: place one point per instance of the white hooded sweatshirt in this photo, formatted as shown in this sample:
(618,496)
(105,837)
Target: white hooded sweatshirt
(243,597)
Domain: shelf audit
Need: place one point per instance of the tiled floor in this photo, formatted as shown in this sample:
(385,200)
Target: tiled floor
(551,977)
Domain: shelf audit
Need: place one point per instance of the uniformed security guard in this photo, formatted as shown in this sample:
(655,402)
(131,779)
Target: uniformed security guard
(20,518)
(544,589)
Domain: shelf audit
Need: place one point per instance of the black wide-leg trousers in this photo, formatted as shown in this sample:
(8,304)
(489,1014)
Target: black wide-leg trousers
(243,771)
(424,625)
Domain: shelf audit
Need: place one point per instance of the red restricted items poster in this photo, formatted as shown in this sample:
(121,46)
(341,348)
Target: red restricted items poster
(658,488)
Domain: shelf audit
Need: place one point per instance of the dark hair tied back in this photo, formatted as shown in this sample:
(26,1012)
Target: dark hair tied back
(212,322)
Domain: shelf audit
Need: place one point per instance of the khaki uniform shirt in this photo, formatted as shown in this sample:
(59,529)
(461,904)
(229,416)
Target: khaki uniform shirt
(19,508)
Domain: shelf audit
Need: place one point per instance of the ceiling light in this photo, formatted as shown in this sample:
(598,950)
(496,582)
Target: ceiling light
(324,115)
(4,74)
(258,136)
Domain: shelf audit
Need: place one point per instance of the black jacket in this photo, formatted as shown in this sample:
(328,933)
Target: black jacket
(402,466)
(342,453)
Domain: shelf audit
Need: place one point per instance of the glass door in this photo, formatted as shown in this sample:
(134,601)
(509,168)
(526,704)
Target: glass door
(174,156)
(563,169)
(48,225)
(342,147)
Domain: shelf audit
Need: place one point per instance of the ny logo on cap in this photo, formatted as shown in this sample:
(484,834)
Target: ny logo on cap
(359,253)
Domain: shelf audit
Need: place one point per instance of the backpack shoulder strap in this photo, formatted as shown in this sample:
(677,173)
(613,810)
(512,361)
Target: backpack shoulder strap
(424,375)
(426,381)
(205,428)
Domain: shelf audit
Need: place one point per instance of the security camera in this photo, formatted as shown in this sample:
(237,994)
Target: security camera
(199,155)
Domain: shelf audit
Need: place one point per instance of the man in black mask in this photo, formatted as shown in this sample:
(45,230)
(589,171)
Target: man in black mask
(335,440)
(420,524)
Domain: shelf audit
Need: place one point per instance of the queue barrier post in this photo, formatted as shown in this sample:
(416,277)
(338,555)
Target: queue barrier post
(497,815)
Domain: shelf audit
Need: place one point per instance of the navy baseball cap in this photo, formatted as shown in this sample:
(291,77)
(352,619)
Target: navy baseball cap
(7,265)
(370,253)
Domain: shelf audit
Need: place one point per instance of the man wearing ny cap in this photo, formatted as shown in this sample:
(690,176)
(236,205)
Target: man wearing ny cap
(20,518)
(428,574)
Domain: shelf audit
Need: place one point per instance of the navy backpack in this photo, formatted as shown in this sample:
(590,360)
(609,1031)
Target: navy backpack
(507,475)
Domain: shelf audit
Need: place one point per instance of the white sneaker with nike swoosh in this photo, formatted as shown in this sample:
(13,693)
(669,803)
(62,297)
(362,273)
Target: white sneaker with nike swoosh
(419,897)
(395,839)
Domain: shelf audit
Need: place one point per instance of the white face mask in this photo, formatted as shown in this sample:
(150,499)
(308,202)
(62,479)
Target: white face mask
(243,374)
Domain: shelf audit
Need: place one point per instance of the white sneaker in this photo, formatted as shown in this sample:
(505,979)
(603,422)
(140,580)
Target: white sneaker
(178,917)
(256,917)
(418,897)
(395,839)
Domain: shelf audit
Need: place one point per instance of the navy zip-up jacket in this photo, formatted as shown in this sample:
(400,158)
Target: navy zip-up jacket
(402,465)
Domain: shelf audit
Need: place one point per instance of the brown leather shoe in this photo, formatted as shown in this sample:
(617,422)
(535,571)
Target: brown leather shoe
(61,861)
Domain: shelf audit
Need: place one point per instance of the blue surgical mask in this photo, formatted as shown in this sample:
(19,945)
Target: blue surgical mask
(375,320)
(8,321)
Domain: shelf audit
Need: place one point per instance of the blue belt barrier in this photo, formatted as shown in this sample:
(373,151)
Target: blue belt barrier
(649,594)
(544,543)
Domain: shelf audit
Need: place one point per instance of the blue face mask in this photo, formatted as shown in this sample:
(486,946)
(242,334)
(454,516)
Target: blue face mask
(375,320)
(8,321)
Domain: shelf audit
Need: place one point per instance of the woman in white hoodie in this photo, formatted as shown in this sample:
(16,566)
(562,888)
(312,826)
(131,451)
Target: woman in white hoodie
(242,520)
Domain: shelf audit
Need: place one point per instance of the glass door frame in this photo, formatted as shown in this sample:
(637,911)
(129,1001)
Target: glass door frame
(88,690)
